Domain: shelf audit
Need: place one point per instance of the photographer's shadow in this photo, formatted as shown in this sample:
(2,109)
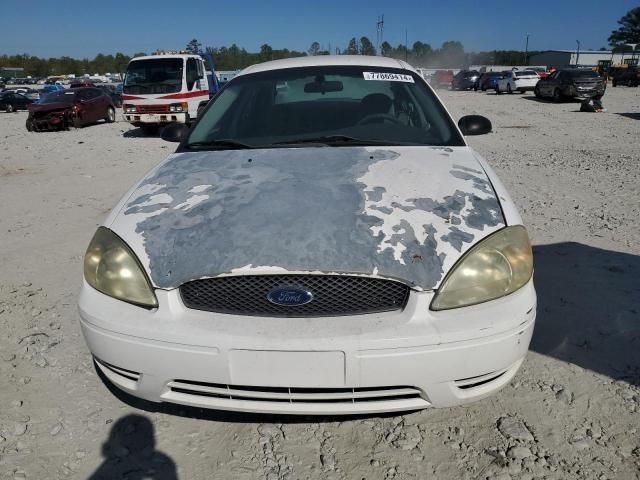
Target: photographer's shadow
(130,453)
(589,308)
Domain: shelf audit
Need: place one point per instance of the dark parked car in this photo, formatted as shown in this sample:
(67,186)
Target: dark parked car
(110,90)
(74,107)
(11,101)
(464,79)
(488,81)
(570,83)
(441,78)
(627,76)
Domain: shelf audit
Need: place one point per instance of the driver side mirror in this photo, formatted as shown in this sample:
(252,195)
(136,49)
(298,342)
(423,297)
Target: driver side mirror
(474,125)
(174,132)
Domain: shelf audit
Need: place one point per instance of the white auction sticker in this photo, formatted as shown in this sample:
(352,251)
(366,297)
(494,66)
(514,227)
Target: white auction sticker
(388,76)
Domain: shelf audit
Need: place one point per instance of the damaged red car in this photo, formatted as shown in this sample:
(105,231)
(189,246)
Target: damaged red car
(70,108)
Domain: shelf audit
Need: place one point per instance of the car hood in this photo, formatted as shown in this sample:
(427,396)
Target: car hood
(406,213)
(47,107)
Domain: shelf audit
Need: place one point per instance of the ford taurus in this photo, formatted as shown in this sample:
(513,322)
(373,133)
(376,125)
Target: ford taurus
(322,241)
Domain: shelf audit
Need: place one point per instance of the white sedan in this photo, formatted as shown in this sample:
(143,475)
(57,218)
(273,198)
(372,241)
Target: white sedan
(517,81)
(323,241)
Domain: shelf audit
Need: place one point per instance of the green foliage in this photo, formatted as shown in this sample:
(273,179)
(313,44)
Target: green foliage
(366,47)
(314,49)
(194,46)
(450,55)
(629,31)
(352,48)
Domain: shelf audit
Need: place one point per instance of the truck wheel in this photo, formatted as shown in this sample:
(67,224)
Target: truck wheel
(111,115)
(150,129)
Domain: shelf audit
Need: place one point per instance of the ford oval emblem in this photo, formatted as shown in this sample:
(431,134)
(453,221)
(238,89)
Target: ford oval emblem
(289,296)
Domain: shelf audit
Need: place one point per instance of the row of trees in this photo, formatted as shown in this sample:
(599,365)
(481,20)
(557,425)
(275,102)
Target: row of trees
(43,67)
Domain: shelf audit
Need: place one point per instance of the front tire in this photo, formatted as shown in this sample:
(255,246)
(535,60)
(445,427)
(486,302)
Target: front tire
(537,93)
(9,108)
(30,125)
(111,115)
(557,96)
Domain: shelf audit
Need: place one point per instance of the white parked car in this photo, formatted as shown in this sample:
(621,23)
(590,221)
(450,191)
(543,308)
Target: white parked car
(332,247)
(517,81)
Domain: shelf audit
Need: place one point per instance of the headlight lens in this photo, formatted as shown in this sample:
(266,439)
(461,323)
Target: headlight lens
(113,269)
(499,265)
(178,107)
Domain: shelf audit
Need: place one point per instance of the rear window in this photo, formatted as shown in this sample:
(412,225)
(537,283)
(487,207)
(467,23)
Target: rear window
(526,73)
(584,73)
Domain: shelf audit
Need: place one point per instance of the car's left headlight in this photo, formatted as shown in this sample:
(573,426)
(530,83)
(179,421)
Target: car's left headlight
(112,268)
(497,266)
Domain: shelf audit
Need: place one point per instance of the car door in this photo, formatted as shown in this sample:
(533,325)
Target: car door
(94,104)
(22,102)
(547,85)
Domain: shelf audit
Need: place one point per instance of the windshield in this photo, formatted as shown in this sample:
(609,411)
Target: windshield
(156,75)
(332,105)
(62,96)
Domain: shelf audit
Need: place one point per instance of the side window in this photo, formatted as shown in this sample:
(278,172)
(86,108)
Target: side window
(192,73)
(82,95)
(93,93)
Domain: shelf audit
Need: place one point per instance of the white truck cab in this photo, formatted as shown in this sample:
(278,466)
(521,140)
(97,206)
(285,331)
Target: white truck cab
(164,88)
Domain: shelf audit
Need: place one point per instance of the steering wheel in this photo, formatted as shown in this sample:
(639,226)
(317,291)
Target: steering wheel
(378,116)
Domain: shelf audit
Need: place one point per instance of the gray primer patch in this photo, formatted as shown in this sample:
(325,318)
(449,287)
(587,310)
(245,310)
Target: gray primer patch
(467,169)
(279,210)
(480,183)
(375,195)
(456,238)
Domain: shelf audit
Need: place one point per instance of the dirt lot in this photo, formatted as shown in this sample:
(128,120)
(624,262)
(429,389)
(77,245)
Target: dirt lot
(573,411)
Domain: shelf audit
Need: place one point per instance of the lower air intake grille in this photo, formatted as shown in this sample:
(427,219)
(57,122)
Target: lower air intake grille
(294,395)
(333,295)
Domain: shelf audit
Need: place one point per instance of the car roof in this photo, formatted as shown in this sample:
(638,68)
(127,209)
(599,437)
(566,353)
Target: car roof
(328,60)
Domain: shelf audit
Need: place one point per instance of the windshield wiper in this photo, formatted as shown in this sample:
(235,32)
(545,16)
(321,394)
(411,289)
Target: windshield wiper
(222,144)
(333,140)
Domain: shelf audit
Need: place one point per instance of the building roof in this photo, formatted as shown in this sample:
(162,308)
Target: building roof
(601,52)
(327,60)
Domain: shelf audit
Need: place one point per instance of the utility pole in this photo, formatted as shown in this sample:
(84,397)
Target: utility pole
(578,53)
(526,51)
(379,33)
(406,46)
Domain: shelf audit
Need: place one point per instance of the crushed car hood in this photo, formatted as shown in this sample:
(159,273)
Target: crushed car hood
(406,213)
(47,107)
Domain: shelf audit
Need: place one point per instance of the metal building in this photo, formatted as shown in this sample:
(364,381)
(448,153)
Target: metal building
(587,58)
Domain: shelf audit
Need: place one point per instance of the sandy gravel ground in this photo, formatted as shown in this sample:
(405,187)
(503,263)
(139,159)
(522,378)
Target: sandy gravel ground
(571,413)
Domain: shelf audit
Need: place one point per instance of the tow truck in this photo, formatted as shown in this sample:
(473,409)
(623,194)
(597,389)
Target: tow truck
(167,87)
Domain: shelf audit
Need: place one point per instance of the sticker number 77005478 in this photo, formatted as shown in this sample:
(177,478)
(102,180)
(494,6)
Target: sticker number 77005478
(388,76)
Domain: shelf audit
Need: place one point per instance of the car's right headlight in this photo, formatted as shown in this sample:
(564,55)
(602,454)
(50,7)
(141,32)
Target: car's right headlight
(497,266)
(112,268)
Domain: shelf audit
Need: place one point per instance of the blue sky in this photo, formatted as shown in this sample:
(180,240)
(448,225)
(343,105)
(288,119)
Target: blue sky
(83,29)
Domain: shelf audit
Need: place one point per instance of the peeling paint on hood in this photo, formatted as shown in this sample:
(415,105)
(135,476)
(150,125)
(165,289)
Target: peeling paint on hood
(406,213)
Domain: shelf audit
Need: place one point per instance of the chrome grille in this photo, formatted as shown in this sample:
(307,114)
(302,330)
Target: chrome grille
(333,295)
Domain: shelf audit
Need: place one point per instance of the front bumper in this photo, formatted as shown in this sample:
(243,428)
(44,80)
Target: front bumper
(332,365)
(139,119)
